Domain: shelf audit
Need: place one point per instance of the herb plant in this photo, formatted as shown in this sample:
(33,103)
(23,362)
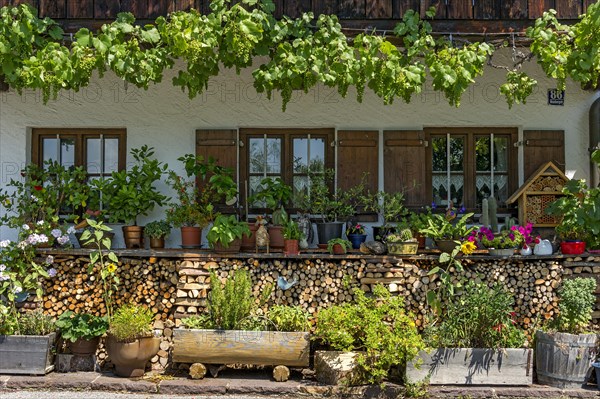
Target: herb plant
(445,227)
(577,301)
(378,325)
(131,322)
(157,229)
(74,326)
(288,318)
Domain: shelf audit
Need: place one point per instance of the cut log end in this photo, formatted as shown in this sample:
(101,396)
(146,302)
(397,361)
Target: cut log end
(197,371)
(281,373)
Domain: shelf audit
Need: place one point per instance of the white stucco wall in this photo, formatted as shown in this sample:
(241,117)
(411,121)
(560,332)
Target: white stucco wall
(165,118)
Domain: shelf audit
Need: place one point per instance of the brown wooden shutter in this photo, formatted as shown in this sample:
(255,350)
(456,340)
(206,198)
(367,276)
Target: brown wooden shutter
(542,146)
(357,153)
(404,165)
(221,144)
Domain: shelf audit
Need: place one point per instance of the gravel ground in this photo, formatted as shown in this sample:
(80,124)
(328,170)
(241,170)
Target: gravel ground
(111,395)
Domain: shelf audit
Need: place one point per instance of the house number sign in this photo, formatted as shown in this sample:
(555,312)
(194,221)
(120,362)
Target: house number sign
(556,97)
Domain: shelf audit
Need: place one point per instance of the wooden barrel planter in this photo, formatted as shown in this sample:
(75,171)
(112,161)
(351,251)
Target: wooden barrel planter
(564,360)
(218,347)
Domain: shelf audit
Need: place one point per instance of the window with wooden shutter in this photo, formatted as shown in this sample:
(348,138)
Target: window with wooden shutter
(404,165)
(541,146)
(357,155)
(220,144)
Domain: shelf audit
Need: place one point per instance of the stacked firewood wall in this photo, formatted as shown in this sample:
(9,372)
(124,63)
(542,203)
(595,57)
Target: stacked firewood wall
(176,288)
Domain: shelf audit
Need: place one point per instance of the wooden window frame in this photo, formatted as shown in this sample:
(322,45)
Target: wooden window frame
(287,135)
(470,133)
(79,135)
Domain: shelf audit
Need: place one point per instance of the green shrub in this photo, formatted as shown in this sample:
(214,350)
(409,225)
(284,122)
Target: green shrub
(35,323)
(479,317)
(81,325)
(288,318)
(576,304)
(131,322)
(378,325)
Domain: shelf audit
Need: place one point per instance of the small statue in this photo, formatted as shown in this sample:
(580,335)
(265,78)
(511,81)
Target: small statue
(305,226)
(262,236)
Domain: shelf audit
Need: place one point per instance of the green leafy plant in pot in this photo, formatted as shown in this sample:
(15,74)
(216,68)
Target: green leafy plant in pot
(446,230)
(157,231)
(275,194)
(130,342)
(226,233)
(570,329)
(82,331)
(131,193)
(389,208)
(338,246)
(292,236)
(402,242)
(206,183)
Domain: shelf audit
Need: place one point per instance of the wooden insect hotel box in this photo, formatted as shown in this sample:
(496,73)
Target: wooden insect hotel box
(541,188)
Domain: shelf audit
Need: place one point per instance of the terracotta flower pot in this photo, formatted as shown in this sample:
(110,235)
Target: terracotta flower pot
(133,236)
(191,237)
(291,247)
(157,243)
(249,242)
(276,237)
(338,249)
(130,358)
(84,347)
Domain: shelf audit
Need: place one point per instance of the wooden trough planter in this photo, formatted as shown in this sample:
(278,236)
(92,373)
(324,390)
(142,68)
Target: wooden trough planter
(219,347)
(473,366)
(27,354)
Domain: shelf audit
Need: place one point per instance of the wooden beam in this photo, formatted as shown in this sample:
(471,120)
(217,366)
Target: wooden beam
(378,9)
(513,9)
(537,7)
(400,7)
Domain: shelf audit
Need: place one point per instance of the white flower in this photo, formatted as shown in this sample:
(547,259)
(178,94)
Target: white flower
(56,233)
(50,259)
(34,198)
(40,223)
(2,267)
(3,277)
(25,227)
(62,240)
(17,290)
(4,244)
(22,244)
(52,272)
(71,230)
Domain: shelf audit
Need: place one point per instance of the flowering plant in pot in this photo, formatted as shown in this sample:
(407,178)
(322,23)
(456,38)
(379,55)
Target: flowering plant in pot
(131,193)
(503,243)
(206,183)
(356,234)
(82,331)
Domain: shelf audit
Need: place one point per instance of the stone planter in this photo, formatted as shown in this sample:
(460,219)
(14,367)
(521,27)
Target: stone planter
(564,360)
(403,248)
(241,347)
(472,366)
(27,354)
(130,358)
(501,252)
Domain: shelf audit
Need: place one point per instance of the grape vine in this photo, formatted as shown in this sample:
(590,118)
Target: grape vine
(295,54)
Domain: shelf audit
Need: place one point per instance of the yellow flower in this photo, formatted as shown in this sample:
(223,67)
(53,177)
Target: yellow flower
(468,247)
(111,267)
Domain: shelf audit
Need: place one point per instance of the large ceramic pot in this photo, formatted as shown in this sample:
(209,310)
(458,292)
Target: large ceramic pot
(356,239)
(327,231)
(191,237)
(84,347)
(133,236)
(276,237)
(572,247)
(130,358)
(446,245)
(249,242)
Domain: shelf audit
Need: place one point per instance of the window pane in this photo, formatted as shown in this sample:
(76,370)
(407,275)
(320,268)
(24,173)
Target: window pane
(500,154)
(93,165)
(456,154)
(257,155)
(300,155)
(483,183)
(439,154)
(49,147)
(501,188)
(111,155)
(254,187)
(482,154)
(300,187)
(317,155)
(273,155)
(67,152)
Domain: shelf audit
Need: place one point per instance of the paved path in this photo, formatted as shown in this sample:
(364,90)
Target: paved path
(109,395)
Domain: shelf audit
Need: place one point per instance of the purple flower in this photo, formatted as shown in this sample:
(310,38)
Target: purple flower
(49,259)
(462,209)
(433,205)
(56,233)
(62,240)
(511,236)
(52,272)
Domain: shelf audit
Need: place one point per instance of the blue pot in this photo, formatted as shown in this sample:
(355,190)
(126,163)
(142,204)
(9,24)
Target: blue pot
(356,239)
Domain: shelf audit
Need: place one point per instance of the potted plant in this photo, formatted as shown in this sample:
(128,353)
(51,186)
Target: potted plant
(402,242)
(81,331)
(27,341)
(475,341)
(501,244)
(389,208)
(338,246)
(279,338)
(205,184)
(356,234)
(157,231)
(130,342)
(275,194)
(366,337)
(446,231)
(571,329)
(580,221)
(417,222)
(226,233)
(292,236)
(131,193)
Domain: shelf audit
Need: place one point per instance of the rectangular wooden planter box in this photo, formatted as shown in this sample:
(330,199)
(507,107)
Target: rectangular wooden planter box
(239,346)
(27,354)
(473,366)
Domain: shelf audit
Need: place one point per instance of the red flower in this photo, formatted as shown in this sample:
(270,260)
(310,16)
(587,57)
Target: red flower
(38,188)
